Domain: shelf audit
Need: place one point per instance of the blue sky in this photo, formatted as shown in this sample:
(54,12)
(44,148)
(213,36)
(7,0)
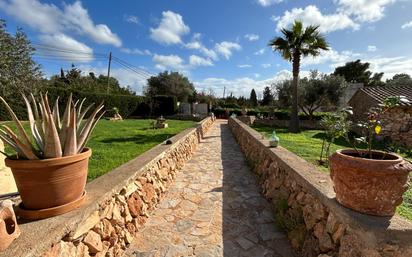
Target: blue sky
(215,43)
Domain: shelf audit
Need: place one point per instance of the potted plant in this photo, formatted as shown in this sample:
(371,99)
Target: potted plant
(50,173)
(367,180)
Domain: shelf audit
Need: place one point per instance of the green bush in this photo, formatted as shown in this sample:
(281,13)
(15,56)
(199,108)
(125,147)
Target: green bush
(164,105)
(126,104)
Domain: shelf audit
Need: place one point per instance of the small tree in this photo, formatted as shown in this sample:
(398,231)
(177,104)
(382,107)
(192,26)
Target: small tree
(358,72)
(267,96)
(171,84)
(401,79)
(253,98)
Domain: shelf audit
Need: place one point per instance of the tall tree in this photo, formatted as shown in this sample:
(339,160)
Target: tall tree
(401,79)
(267,96)
(295,43)
(253,98)
(18,71)
(358,72)
(172,84)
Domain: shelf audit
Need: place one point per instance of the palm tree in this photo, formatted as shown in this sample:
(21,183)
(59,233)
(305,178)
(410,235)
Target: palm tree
(298,42)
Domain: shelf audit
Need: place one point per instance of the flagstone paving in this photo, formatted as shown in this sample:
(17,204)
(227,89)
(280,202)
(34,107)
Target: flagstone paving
(213,208)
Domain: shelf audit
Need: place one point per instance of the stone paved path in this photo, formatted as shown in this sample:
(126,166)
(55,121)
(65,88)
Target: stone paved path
(213,208)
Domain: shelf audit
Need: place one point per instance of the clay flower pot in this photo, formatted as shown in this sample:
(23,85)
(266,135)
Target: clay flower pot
(49,183)
(371,186)
(9,230)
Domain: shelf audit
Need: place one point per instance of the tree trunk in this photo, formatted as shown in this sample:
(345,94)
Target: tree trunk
(294,118)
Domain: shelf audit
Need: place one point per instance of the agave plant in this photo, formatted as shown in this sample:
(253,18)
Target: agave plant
(53,137)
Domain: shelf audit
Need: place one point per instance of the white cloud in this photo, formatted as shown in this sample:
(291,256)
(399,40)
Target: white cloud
(195,60)
(244,66)
(372,48)
(266,65)
(131,19)
(332,57)
(252,37)
(78,17)
(364,10)
(407,25)
(226,48)
(240,86)
(50,20)
(266,3)
(170,30)
(391,65)
(61,41)
(197,45)
(311,15)
(164,62)
(135,51)
(260,52)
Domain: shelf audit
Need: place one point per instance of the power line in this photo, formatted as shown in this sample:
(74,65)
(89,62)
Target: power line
(146,73)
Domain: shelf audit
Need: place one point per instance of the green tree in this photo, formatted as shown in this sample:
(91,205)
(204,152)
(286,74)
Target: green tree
(253,98)
(401,79)
(296,43)
(358,72)
(18,71)
(172,84)
(320,91)
(267,96)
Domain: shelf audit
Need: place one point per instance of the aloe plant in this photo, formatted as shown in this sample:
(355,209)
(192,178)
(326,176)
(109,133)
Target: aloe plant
(53,136)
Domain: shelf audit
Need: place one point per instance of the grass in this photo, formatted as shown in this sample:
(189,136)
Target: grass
(308,145)
(115,143)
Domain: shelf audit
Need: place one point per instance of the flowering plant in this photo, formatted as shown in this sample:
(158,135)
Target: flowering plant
(373,125)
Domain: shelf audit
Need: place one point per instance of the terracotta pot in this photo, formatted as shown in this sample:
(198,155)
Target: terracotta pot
(9,230)
(370,186)
(52,182)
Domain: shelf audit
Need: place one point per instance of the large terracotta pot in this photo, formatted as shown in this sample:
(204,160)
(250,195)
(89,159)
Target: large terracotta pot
(52,182)
(370,186)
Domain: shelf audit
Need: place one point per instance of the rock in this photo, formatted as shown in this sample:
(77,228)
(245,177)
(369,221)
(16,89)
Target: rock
(148,193)
(104,229)
(135,205)
(85,226)
(67,249)
(318,229)
(128,238)
(93,242)
(331,224)
(325,243)
(107,211)
(117,217)
(245,243)
(350,246)
(370,253)
(339,233)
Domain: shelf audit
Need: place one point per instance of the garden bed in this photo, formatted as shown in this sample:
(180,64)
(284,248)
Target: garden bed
(308,144)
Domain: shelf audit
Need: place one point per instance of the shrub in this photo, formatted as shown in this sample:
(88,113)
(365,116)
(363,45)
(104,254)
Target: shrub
(164,105)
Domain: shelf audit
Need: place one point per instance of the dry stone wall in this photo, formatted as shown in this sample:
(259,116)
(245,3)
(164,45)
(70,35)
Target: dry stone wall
(110,219)
(305,207)
(108,231)
(398,125)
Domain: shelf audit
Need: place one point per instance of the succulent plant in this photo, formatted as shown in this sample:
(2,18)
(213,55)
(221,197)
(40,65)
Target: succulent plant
(53,137)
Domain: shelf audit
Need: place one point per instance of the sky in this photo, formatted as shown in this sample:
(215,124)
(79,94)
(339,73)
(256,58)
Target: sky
(217,44)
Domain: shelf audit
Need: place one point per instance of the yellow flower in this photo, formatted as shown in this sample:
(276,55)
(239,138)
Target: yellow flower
(378,129)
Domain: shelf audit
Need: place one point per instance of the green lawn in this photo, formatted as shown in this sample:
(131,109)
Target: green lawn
(308,145)
(116,142)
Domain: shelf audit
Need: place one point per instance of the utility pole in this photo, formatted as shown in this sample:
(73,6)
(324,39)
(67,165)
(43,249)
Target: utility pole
(224,92)
(108,72)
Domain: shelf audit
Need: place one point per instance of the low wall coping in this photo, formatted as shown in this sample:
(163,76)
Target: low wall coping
(38,236)
(319,183)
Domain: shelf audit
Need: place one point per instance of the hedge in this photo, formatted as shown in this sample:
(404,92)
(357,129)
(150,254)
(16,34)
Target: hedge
(125,103)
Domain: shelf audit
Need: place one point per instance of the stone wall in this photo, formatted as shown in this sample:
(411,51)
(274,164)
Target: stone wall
(398,125)
(305,206)
(117,205)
